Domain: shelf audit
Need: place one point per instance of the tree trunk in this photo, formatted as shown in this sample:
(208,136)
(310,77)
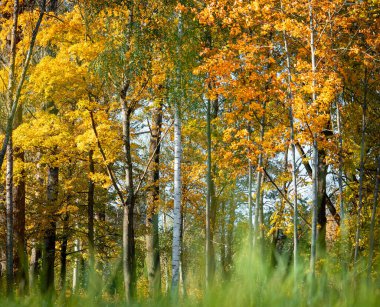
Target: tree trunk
(8,147)
(223,239)
(309,171)
(182,268)
(321,206)
(361,179)
(277,234)
(36,244)
(9,217)
(250,201)
(176,250)
(210,258)
(294,169)
(313,252)
(373,221)
(340,174)
(214,199)
(153,195)
(76,265)
(295,200)
(230,236)
(90,211)
(166,257)
(20,258)
(34,269)
(63,256)
(47,282)
(129,267)
(3,219)
(258,209)
(314,221)
(211,202)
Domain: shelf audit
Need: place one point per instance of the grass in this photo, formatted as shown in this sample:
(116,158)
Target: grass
(254,282)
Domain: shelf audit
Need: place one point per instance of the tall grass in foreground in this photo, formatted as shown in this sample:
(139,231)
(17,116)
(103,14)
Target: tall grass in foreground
(255,281)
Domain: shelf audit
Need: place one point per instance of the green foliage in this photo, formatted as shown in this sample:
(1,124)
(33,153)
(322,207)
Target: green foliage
(254,282)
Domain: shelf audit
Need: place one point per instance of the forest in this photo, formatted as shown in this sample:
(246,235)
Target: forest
(189,153)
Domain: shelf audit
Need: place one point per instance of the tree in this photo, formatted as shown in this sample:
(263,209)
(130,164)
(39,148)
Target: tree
(17,90)
(152,218)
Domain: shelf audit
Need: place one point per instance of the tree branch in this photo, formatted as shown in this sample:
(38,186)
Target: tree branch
(108,165)
(284,197)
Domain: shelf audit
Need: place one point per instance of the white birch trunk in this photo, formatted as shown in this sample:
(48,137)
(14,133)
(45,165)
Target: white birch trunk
(313,252)
(76,265)
(9,152)
(9,217)
(177,216)
(176,251)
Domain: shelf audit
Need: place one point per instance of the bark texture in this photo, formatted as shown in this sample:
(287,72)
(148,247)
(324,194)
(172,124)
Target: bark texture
(129,266)
(153,198)
(176,249)
(48,257)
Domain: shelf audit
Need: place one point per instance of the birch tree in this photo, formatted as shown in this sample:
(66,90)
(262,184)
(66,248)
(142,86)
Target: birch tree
(177,214)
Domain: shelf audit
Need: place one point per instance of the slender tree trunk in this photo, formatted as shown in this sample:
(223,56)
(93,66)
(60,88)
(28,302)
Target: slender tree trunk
(47,282)
(258,209)
(250,201)
(9,151)
(129,266)
(76,265)
(3,219)
(340,172)
(166,258)
(83,277)
(295,197)
(209,244)
(211,201)
(313,252)
(176,249)
(177,207)
(214,200)
(321,207)
(90,211)
(36,244)
(373,221)
(361,179)
(230,236)
(63,256)
(34,269)
(223,239)
(152,238)
(261,217)
(20,258)
(318,240)
(9,206)
(182,268)
(294,169)
(128,245)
